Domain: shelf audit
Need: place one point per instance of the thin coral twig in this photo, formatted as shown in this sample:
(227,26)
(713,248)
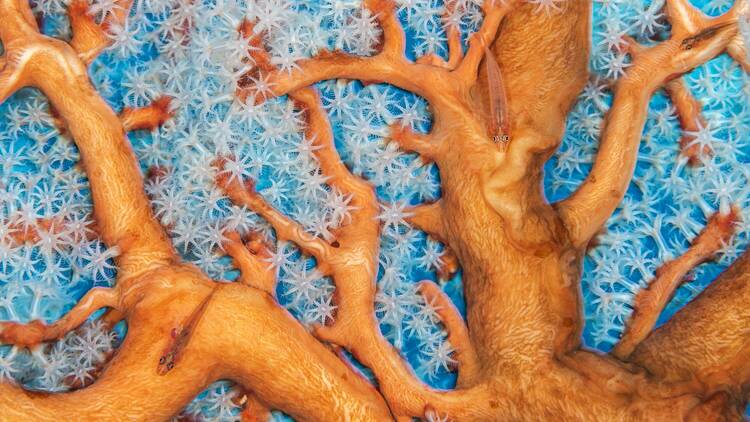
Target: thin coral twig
(691,119)
(149,117)
(458,334)
(353,265)
(453,32)
(253,410)
(252,259)
(394,40)
(286,228)
(35,332)
(410,141)
(89,37)
(651,301)
(428,218)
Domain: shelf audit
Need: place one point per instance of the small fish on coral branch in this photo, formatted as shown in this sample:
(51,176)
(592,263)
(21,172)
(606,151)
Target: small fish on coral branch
(518,352)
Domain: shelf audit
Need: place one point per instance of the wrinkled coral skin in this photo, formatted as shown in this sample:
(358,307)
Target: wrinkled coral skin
(520,255)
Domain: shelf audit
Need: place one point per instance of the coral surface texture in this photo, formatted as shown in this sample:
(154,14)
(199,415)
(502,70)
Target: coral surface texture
(374,210)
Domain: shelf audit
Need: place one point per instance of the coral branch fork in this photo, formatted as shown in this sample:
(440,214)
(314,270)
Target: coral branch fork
(498,116)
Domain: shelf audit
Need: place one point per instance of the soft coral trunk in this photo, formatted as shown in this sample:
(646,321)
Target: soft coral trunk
(520,255)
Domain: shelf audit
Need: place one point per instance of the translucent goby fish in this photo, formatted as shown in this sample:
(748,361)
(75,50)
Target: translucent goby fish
(498,125)
(180,336)
(708,33)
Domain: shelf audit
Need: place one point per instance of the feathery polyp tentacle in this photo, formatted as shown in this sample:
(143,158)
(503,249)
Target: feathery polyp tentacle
(453,32)
(35,332)
(738,48)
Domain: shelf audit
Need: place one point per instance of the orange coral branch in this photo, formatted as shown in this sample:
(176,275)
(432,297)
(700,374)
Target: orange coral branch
(707,339)
(380,68)
(149,117)
(35,332)
(252,259)
(122,211)
(410,141)
(428,218)
(390,65)
(125,391)
(353,267)
(521,264)
(691,120)
(650,302)
(453,32)
(286,229)
(494,12)
(89,37)
(151,283)
(695,39)
(458,334)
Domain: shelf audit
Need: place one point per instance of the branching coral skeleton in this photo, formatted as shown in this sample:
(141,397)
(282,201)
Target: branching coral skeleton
(518,353)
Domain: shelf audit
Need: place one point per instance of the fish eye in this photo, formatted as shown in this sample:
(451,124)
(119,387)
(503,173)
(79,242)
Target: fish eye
(170,365)
(162,360)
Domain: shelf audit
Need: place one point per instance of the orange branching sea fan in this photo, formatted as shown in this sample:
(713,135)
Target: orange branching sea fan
(374,210)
